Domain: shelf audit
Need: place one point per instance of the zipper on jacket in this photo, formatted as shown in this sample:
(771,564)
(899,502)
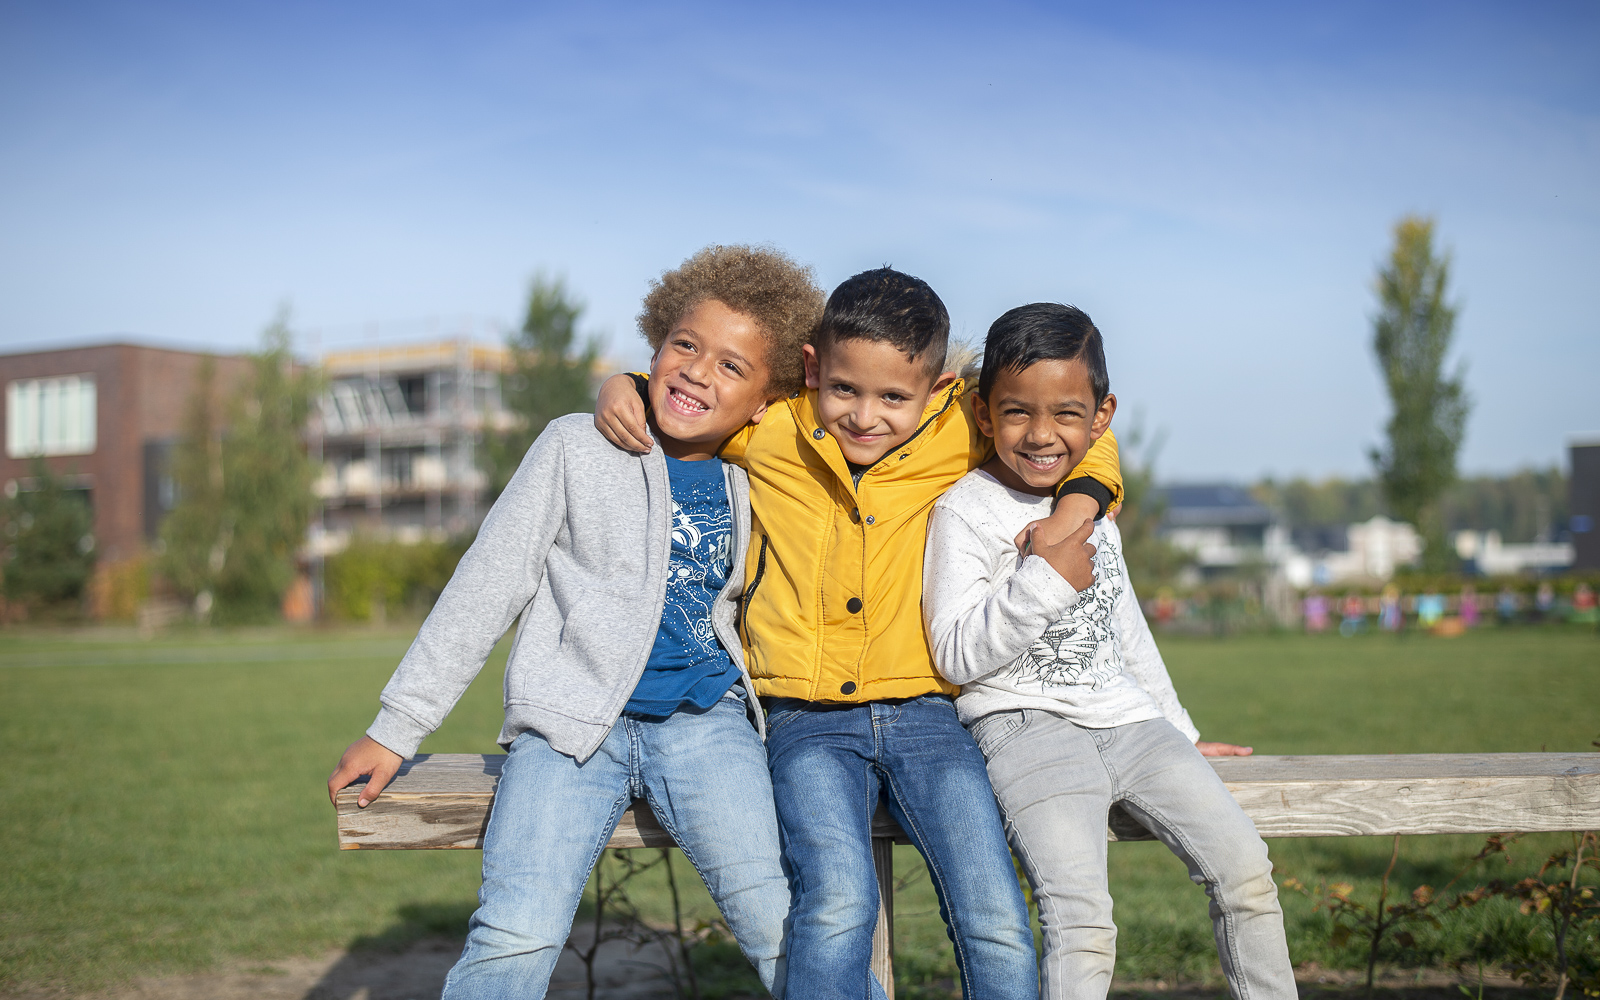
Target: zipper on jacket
(749,595)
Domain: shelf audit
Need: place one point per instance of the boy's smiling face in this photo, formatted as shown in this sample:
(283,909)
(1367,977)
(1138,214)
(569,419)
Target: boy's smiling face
(870,396)
(708,379)
(1043,420)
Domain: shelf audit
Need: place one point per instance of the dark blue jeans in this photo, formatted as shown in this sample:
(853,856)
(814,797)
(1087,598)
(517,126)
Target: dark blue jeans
(829,765)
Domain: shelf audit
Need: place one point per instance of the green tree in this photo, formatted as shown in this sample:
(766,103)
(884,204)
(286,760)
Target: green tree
(244,488)
(1527,505)
(194,545)
(1332,501)
(1524,506)
(552,375)
(1152,560)
(49,531)
(1411,336)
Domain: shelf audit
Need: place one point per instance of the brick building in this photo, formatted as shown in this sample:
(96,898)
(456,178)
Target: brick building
(104,418)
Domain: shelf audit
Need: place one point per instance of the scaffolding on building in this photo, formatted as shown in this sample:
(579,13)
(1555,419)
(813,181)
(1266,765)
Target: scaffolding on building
(397,433)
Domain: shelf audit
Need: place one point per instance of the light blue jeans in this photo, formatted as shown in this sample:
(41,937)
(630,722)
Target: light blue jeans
(1056,781)
(829,765)
(705,777)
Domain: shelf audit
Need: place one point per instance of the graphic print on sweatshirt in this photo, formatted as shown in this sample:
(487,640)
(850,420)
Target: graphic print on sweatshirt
(1081,647)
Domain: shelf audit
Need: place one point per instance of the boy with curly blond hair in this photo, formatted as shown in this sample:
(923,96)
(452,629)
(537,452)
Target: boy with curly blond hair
(626,678)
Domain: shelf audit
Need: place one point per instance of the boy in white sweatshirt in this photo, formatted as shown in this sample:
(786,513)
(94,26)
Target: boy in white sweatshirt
(1062,685)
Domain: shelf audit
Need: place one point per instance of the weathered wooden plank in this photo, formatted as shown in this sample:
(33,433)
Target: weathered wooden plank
(1416,793)
(442,800)
(1341,767)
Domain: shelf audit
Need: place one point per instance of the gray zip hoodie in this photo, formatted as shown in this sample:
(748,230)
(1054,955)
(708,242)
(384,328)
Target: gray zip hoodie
(578,545)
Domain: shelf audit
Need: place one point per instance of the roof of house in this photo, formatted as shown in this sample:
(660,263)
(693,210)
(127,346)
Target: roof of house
(1212,505)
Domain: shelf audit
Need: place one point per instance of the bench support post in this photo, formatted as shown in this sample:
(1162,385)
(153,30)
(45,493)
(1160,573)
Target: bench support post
(883,936)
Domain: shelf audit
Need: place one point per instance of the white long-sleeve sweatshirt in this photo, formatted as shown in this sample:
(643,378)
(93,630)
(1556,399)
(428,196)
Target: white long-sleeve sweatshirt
(1014,634)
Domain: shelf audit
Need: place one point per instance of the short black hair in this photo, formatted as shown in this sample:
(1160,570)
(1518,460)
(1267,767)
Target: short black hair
(887,306)
(1044,331)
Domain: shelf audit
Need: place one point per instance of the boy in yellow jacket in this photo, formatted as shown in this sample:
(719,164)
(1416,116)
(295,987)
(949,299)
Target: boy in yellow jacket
(842,479)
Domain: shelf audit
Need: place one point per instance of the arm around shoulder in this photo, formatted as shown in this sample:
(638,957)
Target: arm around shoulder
(620,408)
(1099,475)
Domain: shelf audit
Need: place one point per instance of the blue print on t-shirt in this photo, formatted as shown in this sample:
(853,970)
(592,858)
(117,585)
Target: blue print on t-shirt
(688,666)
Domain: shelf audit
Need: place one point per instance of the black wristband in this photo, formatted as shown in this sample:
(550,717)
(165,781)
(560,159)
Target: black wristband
(1088,487)
(642,386)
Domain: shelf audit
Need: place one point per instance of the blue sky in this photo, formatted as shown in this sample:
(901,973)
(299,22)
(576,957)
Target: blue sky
(1213,183)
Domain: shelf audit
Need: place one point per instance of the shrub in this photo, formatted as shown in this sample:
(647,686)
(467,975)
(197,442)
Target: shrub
(49,541)
(372,579)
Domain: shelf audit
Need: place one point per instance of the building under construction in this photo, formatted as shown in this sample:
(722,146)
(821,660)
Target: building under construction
(397,433)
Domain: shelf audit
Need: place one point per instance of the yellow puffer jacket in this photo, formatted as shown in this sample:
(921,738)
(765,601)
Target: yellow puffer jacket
(833,579)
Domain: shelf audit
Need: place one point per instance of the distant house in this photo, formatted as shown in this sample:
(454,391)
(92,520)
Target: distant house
(105,418)
(1483,552)
(397,433)
(1224,529)
(1374,549)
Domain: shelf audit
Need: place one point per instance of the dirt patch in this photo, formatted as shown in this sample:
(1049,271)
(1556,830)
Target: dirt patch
(1349,984)
(416,973)
(627,973)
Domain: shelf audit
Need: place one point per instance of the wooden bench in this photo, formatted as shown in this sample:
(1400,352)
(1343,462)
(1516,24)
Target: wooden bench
(442,801)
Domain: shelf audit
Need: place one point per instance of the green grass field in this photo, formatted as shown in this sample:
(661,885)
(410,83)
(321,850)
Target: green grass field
(164,807)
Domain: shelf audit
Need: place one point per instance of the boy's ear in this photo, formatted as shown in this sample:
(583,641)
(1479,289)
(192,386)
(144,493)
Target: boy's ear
(945,378)
(761,411)
(980,413)
(1102,417)
(813,366)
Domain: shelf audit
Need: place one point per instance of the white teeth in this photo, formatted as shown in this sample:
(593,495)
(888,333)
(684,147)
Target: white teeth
(687,402)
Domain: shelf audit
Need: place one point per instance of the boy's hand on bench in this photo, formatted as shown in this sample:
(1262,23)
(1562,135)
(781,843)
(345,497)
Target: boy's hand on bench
(1209,749)
(1072,556)
(619,415)
(365,756)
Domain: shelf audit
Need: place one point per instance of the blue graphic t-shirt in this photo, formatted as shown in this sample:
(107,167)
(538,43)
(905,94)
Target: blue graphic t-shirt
(688,666)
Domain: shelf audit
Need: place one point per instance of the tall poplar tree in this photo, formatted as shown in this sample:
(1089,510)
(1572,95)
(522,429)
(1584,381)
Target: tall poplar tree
(244,488)
(552,374)
(1412,332)
(193,543)
(267,482)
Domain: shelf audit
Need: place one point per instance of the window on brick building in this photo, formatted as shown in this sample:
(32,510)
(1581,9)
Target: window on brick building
(50,416)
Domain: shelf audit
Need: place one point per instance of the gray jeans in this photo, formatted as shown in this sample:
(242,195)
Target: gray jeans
(1056,781)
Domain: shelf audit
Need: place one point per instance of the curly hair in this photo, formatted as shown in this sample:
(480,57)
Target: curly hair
(764,283)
